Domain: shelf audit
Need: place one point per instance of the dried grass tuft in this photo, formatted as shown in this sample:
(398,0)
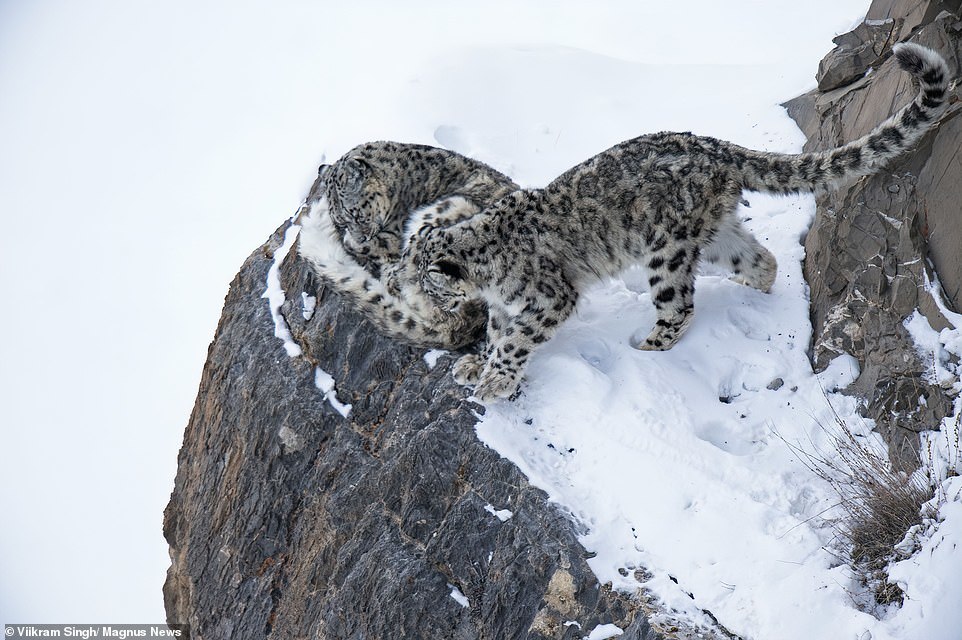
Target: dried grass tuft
(880,505)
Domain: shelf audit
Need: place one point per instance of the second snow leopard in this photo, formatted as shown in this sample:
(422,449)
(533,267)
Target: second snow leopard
(351,233)
(663,201)
(373,189)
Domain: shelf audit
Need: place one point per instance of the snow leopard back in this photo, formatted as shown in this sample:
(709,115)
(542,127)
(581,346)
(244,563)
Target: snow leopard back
(373,189)
(662,201)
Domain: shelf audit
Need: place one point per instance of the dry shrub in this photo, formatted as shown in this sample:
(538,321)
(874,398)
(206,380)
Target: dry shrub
(880,504)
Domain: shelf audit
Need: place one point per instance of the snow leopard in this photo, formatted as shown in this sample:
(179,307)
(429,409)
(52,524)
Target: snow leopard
(662,201)
(374,187)
(351,234)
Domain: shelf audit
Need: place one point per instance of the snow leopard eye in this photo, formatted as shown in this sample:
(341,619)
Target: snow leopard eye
(450,269)
(445,282)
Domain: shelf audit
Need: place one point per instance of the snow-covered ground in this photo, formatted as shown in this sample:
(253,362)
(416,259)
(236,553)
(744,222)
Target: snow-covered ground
(148,148)
(680,463)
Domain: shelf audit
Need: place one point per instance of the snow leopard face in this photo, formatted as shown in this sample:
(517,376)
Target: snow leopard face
(447,282)
(361,205)
(427,265)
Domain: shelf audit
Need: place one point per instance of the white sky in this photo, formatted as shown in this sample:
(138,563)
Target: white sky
(147,148)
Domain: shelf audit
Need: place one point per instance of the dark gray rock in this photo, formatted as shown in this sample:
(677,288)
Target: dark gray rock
(874,245)
(289,521)
(857,51)
(909,15)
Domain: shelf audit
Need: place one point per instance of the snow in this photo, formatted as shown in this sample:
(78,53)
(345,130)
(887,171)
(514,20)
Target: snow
(431,357)
(934,288)
(275,293)
(930,349)
(178,160)
(459,597)
(308,304)
(930,577)
(501,514)
(604,631)
(276,296)
(325,382)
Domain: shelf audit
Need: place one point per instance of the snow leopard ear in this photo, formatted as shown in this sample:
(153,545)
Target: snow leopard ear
(451,270)
(354,174)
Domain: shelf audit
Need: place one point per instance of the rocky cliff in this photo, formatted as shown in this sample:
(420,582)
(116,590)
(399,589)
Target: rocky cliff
(291,520)
(876,248)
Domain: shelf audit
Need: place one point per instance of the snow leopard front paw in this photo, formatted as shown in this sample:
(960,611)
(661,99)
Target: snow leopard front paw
(468,368)
(495,384)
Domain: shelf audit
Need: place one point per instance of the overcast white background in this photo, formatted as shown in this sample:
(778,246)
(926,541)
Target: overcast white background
(146,148)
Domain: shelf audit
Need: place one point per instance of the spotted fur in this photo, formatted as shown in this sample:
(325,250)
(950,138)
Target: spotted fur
(663,201)
(373,189)
(351,234)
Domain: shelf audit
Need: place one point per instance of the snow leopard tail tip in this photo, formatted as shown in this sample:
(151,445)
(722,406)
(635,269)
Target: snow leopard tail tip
(821,170)
(919,61)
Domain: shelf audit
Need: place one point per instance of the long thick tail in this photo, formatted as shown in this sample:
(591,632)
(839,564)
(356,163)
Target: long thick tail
(779,173)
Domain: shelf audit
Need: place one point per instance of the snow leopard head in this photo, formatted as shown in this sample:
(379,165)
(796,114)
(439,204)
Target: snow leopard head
(361,205)
(427,263)
(447,282)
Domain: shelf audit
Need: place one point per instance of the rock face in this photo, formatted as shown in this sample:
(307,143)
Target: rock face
(875,247)
(289,520)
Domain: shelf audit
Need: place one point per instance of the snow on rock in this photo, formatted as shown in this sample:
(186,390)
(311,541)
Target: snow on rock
(604,631)
(934,287)
(942,351)
(325,382)
(276,297)
(308,304)
(930,578)
(275,294)
(839,373)
(501,514)
(934,349)
(431,357)
(459,597)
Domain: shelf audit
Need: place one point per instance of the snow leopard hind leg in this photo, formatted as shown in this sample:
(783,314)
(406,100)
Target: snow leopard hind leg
(733,247)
